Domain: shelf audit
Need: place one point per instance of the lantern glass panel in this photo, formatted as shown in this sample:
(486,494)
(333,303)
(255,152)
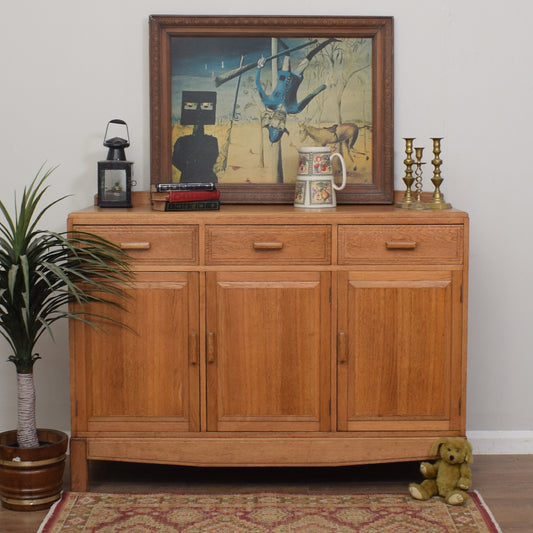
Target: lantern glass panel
(115,184)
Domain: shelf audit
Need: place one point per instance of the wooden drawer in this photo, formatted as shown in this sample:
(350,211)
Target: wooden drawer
(268,245)
(400,244)
(164,245)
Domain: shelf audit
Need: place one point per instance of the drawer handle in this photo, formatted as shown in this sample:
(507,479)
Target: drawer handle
(400,245)
(268,245)
(135,245)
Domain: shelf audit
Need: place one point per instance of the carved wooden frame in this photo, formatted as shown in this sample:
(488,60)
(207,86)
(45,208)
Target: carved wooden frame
(378,29)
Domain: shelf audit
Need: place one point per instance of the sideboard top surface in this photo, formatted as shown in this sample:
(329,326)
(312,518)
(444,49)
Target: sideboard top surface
(273,214)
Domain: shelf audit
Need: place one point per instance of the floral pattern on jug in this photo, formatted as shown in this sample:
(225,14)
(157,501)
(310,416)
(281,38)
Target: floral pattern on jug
(315,184)
(321,192)
(303,164)
(299,193)
(322,164)
(313,164)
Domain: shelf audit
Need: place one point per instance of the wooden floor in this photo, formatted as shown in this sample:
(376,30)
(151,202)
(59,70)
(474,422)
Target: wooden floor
(504,481)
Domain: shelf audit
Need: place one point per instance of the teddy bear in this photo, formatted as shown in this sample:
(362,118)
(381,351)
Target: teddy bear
(450,476)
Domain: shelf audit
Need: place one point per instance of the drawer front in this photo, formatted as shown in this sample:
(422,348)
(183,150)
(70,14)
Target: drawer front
(268,245)
(164,245)
(397,244)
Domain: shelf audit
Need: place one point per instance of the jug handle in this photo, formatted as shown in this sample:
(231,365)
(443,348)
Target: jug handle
(341,159)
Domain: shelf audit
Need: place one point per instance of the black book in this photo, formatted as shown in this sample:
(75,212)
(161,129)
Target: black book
(197,205)
(165,187)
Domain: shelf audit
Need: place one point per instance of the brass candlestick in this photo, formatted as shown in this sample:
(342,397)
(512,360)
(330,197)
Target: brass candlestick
(437,202)
(408,179)
(418,204)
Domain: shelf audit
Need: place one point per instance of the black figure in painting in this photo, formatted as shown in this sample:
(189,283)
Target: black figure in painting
(195,155)
(284,97)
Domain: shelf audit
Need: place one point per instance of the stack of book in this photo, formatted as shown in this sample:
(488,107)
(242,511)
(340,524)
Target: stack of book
(185,196)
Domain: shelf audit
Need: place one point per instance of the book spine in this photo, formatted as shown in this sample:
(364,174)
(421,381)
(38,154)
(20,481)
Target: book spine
(159,196)
(199,205)
(165,187)
(186,196)
(159,205)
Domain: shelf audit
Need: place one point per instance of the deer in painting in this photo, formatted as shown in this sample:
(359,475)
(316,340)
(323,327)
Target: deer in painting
(344,134)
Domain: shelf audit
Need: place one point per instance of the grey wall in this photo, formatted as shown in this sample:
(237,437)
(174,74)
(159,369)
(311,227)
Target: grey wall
(462,71)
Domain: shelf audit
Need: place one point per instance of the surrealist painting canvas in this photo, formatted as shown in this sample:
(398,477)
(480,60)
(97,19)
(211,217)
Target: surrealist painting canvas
(241,106)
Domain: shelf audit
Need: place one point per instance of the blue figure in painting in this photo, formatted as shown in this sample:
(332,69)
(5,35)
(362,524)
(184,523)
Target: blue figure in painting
(284,97)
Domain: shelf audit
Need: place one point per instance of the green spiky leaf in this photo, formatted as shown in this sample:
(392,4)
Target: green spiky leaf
(42,272)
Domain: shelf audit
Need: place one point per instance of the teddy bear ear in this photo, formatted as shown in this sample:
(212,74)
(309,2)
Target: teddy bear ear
(436,445)
(469,458)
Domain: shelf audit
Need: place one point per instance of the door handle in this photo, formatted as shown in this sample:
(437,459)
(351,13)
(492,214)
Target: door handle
(211,348)
(193,349)
(342,352)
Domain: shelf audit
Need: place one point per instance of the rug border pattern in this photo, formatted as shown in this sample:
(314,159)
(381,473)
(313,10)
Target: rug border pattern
(51,523)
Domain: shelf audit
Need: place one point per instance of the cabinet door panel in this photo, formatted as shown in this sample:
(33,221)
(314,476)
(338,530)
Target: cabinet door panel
(402,369)
(268,341)
(143,378)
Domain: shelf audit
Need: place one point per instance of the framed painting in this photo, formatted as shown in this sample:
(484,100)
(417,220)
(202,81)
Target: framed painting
(232,98)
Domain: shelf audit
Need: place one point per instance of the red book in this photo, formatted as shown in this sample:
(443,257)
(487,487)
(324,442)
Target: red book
(189,196)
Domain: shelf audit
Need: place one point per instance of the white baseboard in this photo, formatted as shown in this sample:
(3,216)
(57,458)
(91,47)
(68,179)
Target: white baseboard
(501,442)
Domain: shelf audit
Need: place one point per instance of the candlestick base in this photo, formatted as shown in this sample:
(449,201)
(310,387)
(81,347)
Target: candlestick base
(438,204)
(418,205)
(407,199)
(437,201)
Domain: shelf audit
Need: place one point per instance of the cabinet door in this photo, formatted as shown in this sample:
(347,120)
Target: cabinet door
(268,351)
(145,378)
(400,351)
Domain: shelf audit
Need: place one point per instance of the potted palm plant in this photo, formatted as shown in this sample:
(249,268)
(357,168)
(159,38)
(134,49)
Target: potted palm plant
(42,273)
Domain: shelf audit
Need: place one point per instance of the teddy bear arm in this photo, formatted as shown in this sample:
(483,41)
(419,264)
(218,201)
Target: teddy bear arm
(429,470)
(465,481)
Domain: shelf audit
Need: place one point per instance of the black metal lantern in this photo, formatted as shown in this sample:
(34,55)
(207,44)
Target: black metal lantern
(114,174)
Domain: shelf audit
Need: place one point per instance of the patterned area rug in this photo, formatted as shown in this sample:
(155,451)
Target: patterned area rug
(262,512)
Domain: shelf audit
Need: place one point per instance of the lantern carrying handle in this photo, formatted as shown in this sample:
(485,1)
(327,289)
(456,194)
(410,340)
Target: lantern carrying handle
(117,121)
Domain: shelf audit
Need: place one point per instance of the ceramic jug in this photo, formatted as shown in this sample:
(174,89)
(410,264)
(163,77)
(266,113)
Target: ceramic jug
(315,184)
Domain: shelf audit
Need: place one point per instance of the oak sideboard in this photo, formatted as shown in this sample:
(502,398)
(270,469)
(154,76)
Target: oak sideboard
(264,335)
